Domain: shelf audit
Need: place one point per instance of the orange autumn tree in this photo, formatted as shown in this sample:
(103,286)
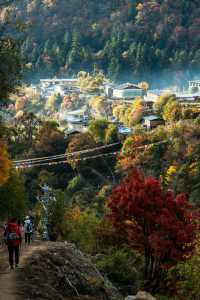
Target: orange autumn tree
(4,163)
(158,225)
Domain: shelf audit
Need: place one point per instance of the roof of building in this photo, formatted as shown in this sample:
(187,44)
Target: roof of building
(151,118)
(74,120)
(124,130)
(127,86)
(194,81)
(77,112)
(59,80)
(187,95)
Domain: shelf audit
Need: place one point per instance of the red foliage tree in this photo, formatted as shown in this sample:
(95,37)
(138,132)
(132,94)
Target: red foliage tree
(160,226)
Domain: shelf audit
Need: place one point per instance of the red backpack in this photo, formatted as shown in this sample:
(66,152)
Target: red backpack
(12,234)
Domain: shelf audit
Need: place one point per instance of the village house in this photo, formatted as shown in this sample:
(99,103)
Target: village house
(44,83)
(75,120)
(152,121)
(127,91)
(185,97)
(194,84)
(56,86)
(109,90)
(148,105)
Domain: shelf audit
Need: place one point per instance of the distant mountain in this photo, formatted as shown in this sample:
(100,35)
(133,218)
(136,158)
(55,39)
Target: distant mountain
(119,36)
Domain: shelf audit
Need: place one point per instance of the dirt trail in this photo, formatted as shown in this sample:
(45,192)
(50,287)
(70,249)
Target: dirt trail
(8,290)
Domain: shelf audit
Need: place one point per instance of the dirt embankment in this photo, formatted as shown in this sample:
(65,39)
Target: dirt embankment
(62,272)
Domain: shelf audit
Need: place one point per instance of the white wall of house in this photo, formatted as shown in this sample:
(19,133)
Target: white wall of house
(59,90)
(194,83)
(127,93)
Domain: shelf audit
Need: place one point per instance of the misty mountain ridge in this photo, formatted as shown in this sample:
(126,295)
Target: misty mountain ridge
(123,38)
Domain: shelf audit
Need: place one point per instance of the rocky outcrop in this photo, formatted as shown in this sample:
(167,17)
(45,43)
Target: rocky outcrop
(62,272)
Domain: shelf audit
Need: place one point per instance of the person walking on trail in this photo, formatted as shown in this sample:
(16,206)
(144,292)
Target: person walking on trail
(28,229)
(13,239)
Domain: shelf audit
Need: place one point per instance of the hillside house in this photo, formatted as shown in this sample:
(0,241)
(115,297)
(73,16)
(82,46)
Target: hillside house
(152,121)
(108,88)
(44,83)
(148,105)
(60,87)
(76,120)
(75,125)
(194,84)
(127,91)
(184,97)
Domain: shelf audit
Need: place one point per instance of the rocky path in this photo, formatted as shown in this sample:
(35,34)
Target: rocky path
(8,290)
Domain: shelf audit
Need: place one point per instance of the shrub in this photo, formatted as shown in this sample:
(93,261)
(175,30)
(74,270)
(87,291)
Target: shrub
(120,266)
(187,276)
(80,228)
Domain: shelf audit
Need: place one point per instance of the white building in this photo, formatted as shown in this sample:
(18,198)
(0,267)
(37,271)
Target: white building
(127,91)
(109,90)
(44,83)
(194,84)
(56,86)
(79,115)
(59,90)
(188,97)
(76,120)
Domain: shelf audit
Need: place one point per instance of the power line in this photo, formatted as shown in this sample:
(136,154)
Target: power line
(59,156)
(31,164)
(27,166)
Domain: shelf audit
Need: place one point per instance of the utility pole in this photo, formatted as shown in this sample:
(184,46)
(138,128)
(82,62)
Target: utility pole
(45,200)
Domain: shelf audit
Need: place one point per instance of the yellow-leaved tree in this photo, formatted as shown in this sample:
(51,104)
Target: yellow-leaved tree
(5,163)
(99,105)
(130,115)
(90,83)
(50,104)
(143,85)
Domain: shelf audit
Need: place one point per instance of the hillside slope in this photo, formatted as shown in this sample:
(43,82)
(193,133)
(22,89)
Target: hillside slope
(118,36)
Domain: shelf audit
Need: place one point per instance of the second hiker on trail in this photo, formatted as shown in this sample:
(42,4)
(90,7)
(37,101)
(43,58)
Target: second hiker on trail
(28,229)
(13,239)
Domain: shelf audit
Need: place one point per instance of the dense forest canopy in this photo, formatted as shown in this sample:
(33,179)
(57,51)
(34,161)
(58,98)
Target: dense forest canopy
(122,37)
(9,53)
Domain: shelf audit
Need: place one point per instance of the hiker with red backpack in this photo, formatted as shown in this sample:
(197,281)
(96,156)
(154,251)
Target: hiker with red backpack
(13,239)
